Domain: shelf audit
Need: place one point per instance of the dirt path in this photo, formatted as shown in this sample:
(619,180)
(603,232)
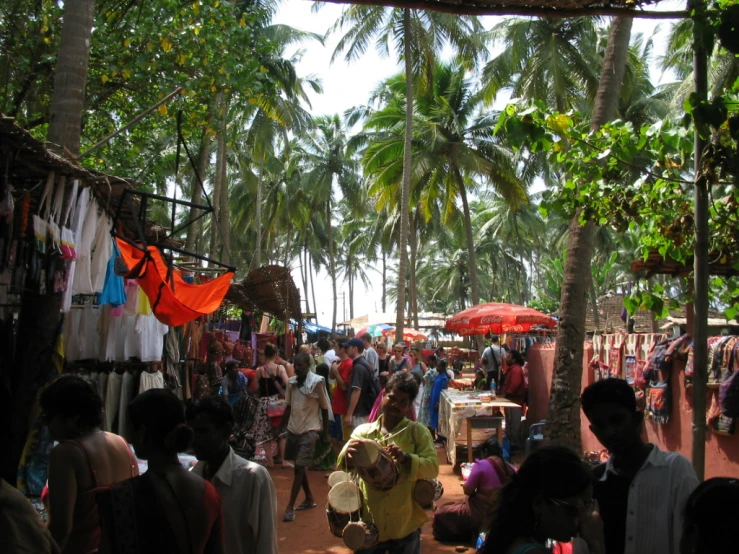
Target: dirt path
(309,532)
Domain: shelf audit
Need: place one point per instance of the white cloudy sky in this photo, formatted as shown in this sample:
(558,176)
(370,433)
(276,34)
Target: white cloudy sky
(347,85)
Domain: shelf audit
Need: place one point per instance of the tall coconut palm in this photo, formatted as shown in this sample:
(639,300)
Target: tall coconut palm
(417,37)
(553,60)
(330,167)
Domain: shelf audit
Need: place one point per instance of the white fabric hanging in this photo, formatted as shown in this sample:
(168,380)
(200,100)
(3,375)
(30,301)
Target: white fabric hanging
(82,282)
(77,218)
(103,251)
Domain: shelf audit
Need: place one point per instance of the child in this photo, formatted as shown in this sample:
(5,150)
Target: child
(305,416)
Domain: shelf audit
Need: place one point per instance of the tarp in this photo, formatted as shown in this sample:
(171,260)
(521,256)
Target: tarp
(174,302)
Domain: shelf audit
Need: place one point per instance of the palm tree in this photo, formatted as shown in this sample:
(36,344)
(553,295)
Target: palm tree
(553,60)
(453,151)
(418,36)
(564,409)
(330,166)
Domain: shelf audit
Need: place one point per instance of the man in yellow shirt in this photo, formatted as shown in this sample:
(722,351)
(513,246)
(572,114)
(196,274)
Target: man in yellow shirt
(397,517)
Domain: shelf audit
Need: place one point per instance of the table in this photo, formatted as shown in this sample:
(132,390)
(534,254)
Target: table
(475,407)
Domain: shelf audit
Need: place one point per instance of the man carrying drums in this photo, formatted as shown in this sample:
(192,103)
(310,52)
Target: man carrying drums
(407,454)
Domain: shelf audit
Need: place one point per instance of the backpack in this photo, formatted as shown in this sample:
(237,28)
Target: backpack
(373,380)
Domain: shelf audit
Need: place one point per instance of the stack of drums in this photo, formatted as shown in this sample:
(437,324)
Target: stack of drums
(375,466)
(426,492)
(344,513)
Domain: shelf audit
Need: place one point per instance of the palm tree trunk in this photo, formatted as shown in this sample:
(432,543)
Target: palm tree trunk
(215,223)
(563,421)
(304,269)
(224,212)
(313,292)
(594,301)
(471,255)
(68,98)
(384,281)
(412,239)
(196,192)
(256,260)
(351,296)
(332,266)
(406,191)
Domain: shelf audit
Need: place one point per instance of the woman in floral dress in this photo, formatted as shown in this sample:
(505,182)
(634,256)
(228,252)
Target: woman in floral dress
(424,415)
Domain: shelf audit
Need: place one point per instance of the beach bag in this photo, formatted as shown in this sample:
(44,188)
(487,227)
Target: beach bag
(728,394)
(276,409)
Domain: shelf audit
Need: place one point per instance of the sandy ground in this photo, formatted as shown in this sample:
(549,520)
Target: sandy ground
(309,532)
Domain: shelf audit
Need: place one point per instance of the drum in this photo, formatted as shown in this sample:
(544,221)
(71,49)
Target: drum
(338,477)
(359,535)
(344,505)
(438,489)
(375,466)
(424,493)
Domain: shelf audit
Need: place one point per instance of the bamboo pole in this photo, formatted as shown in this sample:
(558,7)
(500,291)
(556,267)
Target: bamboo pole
(700,260)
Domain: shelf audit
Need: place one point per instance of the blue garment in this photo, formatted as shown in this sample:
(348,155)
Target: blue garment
(114,290)
(234,391)
(441,383)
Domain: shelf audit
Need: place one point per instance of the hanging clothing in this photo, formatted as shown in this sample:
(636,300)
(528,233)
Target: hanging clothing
(128,391)
(82,283)
(132,297)
(114,291)
(112,400)
(150,332)
(101,254)
(83,203)
(178,304)
(149,381)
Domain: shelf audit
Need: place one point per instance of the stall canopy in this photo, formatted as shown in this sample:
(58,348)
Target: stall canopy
(497,317)
(268,289)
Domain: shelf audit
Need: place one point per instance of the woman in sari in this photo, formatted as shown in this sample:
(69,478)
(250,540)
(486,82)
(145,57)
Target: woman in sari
(465,519)
(167,509)
(424,414)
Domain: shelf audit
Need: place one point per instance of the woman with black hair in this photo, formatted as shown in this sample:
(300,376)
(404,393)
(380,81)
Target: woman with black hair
(85,459)
(549,499)
(167,509)
(464,519)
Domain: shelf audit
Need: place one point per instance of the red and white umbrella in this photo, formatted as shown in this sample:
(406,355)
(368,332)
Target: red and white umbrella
(410,335)
(498,318)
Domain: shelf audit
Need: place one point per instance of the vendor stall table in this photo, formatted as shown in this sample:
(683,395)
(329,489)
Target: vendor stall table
(477,408)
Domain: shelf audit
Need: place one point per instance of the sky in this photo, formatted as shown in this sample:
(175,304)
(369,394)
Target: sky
(346,85)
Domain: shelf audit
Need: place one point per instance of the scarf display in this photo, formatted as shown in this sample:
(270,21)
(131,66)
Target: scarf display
(659,402)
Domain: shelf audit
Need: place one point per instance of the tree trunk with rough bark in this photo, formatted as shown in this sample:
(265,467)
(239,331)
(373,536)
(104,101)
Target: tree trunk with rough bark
(406,189)
(563,421)
(256,260)
(68,98)
(215,219)
(412,296)
(384,282)
(224,211)
(196,191)
(332,267)
(471,254)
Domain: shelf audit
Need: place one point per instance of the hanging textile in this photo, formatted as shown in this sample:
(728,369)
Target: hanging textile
(174,302)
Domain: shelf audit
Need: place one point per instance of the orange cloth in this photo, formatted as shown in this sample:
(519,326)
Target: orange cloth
(184,301)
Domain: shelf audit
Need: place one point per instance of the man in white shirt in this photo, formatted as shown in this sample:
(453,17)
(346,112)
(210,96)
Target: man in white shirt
(306,415)
(491,359)
(370,354)
(247,492)
(641,490)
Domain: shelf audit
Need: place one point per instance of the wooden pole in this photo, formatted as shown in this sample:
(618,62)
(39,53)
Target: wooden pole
(700,261)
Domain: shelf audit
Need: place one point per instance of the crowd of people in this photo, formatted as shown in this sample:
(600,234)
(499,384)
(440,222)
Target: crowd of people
(321,408)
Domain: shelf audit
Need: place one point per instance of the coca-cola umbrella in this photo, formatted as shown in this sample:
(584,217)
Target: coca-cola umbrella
(498,318)
(410,335)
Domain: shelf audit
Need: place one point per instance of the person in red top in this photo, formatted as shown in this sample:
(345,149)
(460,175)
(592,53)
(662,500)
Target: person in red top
(514,389)
(341,370)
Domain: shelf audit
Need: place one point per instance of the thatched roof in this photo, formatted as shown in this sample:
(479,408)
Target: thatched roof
(269,289)
(543,8)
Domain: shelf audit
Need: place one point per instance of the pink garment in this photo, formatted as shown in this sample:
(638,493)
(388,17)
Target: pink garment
(377,409)
(132,297)
(483,476)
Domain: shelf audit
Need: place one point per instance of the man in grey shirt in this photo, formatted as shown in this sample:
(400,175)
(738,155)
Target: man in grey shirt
(370,354)
(491,358)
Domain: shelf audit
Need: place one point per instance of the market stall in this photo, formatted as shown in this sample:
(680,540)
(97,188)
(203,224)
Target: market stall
(457,406)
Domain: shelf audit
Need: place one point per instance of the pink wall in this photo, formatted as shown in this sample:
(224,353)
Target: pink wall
(722,452)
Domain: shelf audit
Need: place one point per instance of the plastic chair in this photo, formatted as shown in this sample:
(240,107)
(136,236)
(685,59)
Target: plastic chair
(536,435)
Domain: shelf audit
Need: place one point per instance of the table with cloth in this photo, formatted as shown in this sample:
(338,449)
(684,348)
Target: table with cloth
(457,406)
